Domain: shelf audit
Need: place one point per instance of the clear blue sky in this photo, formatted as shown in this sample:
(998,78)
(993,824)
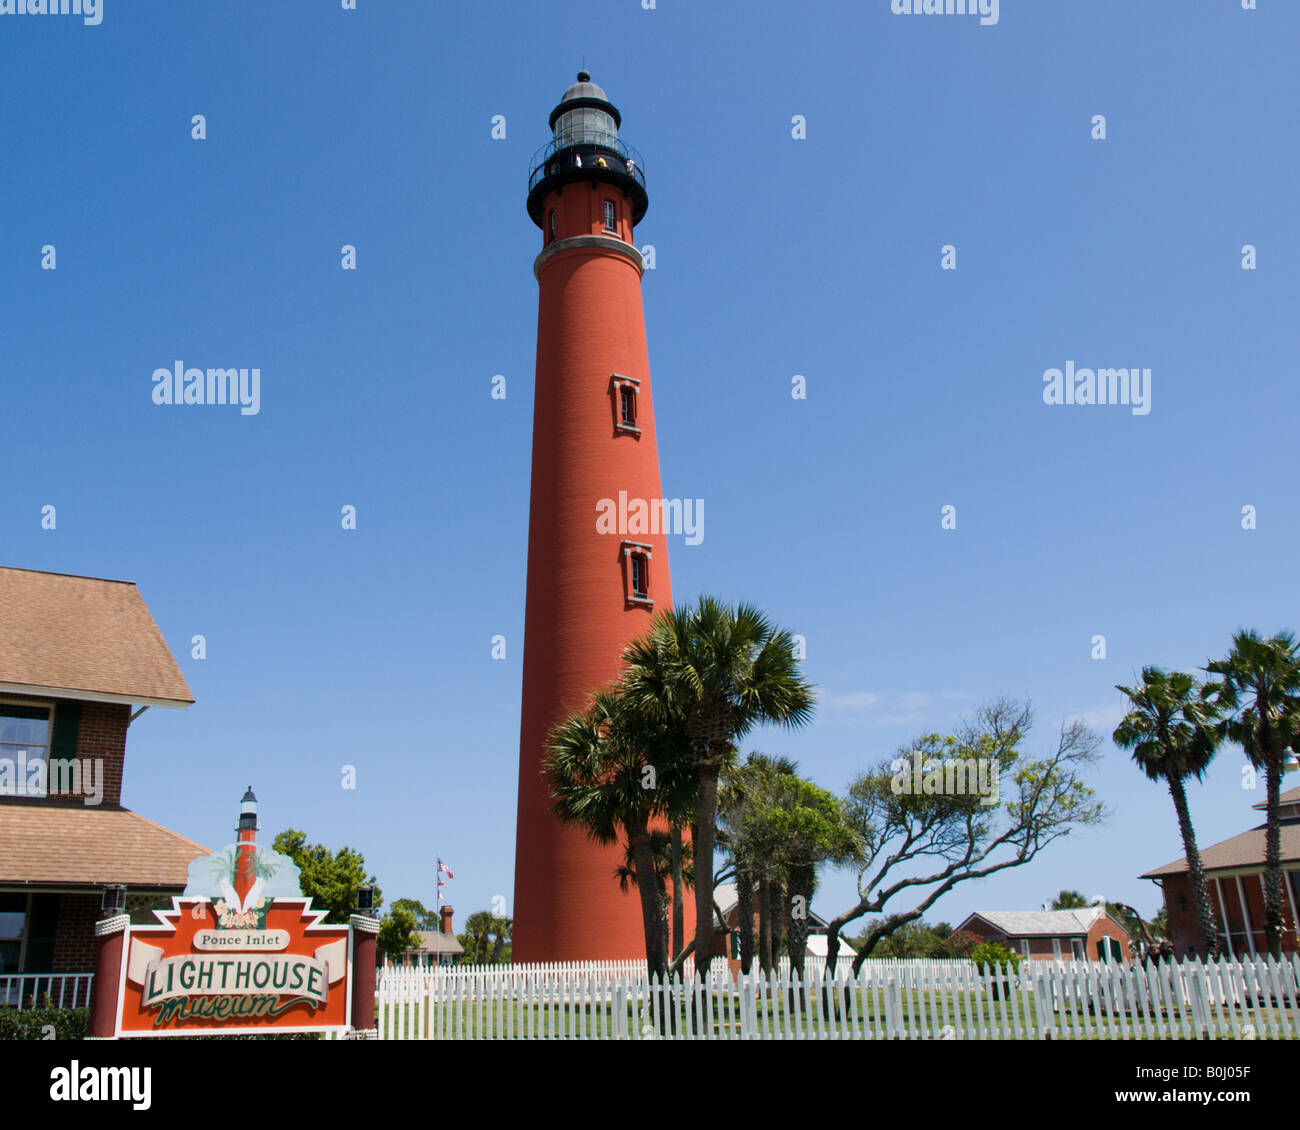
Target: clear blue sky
(775,257)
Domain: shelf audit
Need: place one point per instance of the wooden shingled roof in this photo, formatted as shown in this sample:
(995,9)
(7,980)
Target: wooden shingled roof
(83,637)
(80,845)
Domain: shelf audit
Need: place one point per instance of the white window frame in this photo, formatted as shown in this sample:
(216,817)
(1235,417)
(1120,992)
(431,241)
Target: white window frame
(618,382)
(49,707)
(633,549)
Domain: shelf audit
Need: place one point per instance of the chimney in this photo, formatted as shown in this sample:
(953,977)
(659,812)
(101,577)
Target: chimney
(446,913)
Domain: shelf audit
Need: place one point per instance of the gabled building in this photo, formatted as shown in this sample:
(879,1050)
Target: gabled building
(80,660)
(437,947)
(1234,873)
(1086,934)
(726,929)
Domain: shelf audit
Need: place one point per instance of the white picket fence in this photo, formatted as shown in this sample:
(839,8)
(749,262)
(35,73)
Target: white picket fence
(1251,999)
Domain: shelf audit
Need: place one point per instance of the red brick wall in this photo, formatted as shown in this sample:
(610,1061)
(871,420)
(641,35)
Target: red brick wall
(1181,909)
(1106,927)
(74,945)
(103,736)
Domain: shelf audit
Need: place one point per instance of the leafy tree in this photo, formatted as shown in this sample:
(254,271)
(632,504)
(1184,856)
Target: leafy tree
(917,939)
(749,837)
(1259,693)
(812,829)
(994,955)
(1159,925)
(952,836)
(425,919)
(397,933)
(329,879)
(716,673)
(485,937)
(1172,734)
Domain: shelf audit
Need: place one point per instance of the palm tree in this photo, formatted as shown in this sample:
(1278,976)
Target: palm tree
(1070,900)
(1260,692)
(665,862)
(597,771)
(744,794)
(719,672)
(1172,734)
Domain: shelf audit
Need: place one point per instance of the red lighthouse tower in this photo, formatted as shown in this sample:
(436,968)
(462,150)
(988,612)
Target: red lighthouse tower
(591,589)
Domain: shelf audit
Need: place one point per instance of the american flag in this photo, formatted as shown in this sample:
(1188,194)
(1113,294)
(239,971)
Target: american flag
(445,870)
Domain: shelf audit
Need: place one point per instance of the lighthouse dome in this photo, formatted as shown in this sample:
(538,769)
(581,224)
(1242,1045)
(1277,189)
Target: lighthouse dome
(585,113)
(584,88)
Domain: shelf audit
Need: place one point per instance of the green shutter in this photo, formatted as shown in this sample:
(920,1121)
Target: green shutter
(67,722)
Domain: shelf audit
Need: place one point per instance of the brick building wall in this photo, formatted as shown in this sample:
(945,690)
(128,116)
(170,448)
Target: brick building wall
(1041,947)
(74,946)
(102,736)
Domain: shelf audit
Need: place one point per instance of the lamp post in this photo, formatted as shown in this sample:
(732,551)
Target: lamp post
(365,935)
(113,901)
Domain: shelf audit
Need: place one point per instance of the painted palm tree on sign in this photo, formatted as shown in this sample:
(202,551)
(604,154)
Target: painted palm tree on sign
(718,672)
(1172,734)
(1260,694)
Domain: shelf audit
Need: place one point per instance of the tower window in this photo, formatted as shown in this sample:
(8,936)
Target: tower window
(637,572)
(611,220)
(552,236)
(625,391)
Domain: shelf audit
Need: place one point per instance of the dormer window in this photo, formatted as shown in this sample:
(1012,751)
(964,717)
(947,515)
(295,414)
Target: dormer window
(625,391)
(611,216)
(636,572)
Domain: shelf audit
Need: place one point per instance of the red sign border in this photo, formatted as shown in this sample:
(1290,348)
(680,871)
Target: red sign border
(165,926)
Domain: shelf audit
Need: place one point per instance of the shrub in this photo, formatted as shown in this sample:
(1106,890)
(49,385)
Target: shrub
(994,954)
(44,1023)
